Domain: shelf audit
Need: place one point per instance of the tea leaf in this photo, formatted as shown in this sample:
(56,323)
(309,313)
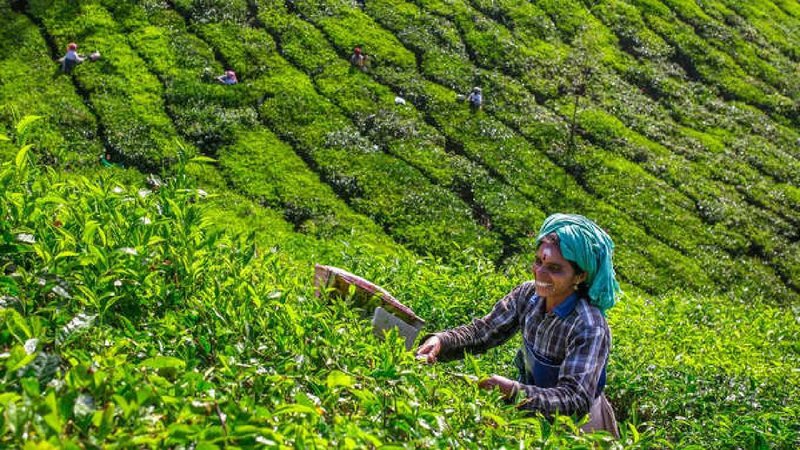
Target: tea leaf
(26,122)
(295,408)
(163,362)
(22,156)
(337,378)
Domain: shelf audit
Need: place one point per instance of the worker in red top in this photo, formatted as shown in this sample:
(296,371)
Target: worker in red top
(359,59)
(71,59)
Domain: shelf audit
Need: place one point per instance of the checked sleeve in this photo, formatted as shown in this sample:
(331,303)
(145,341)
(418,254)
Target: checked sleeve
(491,330)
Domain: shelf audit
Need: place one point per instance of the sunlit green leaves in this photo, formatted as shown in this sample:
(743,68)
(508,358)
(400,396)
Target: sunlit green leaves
(336,378)
(129,320)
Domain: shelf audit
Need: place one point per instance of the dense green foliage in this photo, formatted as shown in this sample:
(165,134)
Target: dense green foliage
(71,128)
(129,320)
(168,302)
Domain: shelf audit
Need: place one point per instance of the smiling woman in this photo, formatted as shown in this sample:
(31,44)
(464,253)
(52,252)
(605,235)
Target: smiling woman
(556,278)
(566,339)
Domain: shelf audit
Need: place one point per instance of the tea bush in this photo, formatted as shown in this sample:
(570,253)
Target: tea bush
(117,333)
(268,171)
(759,60)
(691,143)
(181,314)
(767,21)
(147,346)
(454,121)
(213,115)
(701,60)
(723,274)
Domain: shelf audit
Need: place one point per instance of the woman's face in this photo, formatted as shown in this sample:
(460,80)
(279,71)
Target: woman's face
(555,277)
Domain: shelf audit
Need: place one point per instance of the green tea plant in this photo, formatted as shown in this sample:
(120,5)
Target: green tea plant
(698,147)
(130,342)
(512,143)
(678,215)
(714,65)
(454,122)
(179,310)
(246,355)
(215,118)
(400,130)
(767,21)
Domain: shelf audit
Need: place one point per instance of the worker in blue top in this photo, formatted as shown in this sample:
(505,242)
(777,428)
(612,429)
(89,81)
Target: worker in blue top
(561,316)
(475,98)
(229,77)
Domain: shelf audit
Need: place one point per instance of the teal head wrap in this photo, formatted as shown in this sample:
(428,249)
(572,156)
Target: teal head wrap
(588,246)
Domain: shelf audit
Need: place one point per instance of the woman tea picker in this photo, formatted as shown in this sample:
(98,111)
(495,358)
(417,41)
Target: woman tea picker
(566,340)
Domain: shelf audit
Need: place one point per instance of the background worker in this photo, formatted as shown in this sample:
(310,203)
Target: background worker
(229,77)
(475,98)
(358,59)
(71,59)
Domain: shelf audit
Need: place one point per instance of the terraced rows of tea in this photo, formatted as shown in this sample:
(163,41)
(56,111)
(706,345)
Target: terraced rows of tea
(671,123)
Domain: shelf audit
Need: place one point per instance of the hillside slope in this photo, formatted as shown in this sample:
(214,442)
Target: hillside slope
(671,123)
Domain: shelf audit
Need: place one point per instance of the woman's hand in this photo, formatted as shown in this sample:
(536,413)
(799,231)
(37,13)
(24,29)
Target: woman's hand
(430,349)
(506,386)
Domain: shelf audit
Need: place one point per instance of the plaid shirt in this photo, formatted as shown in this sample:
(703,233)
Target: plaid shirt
(574,333)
